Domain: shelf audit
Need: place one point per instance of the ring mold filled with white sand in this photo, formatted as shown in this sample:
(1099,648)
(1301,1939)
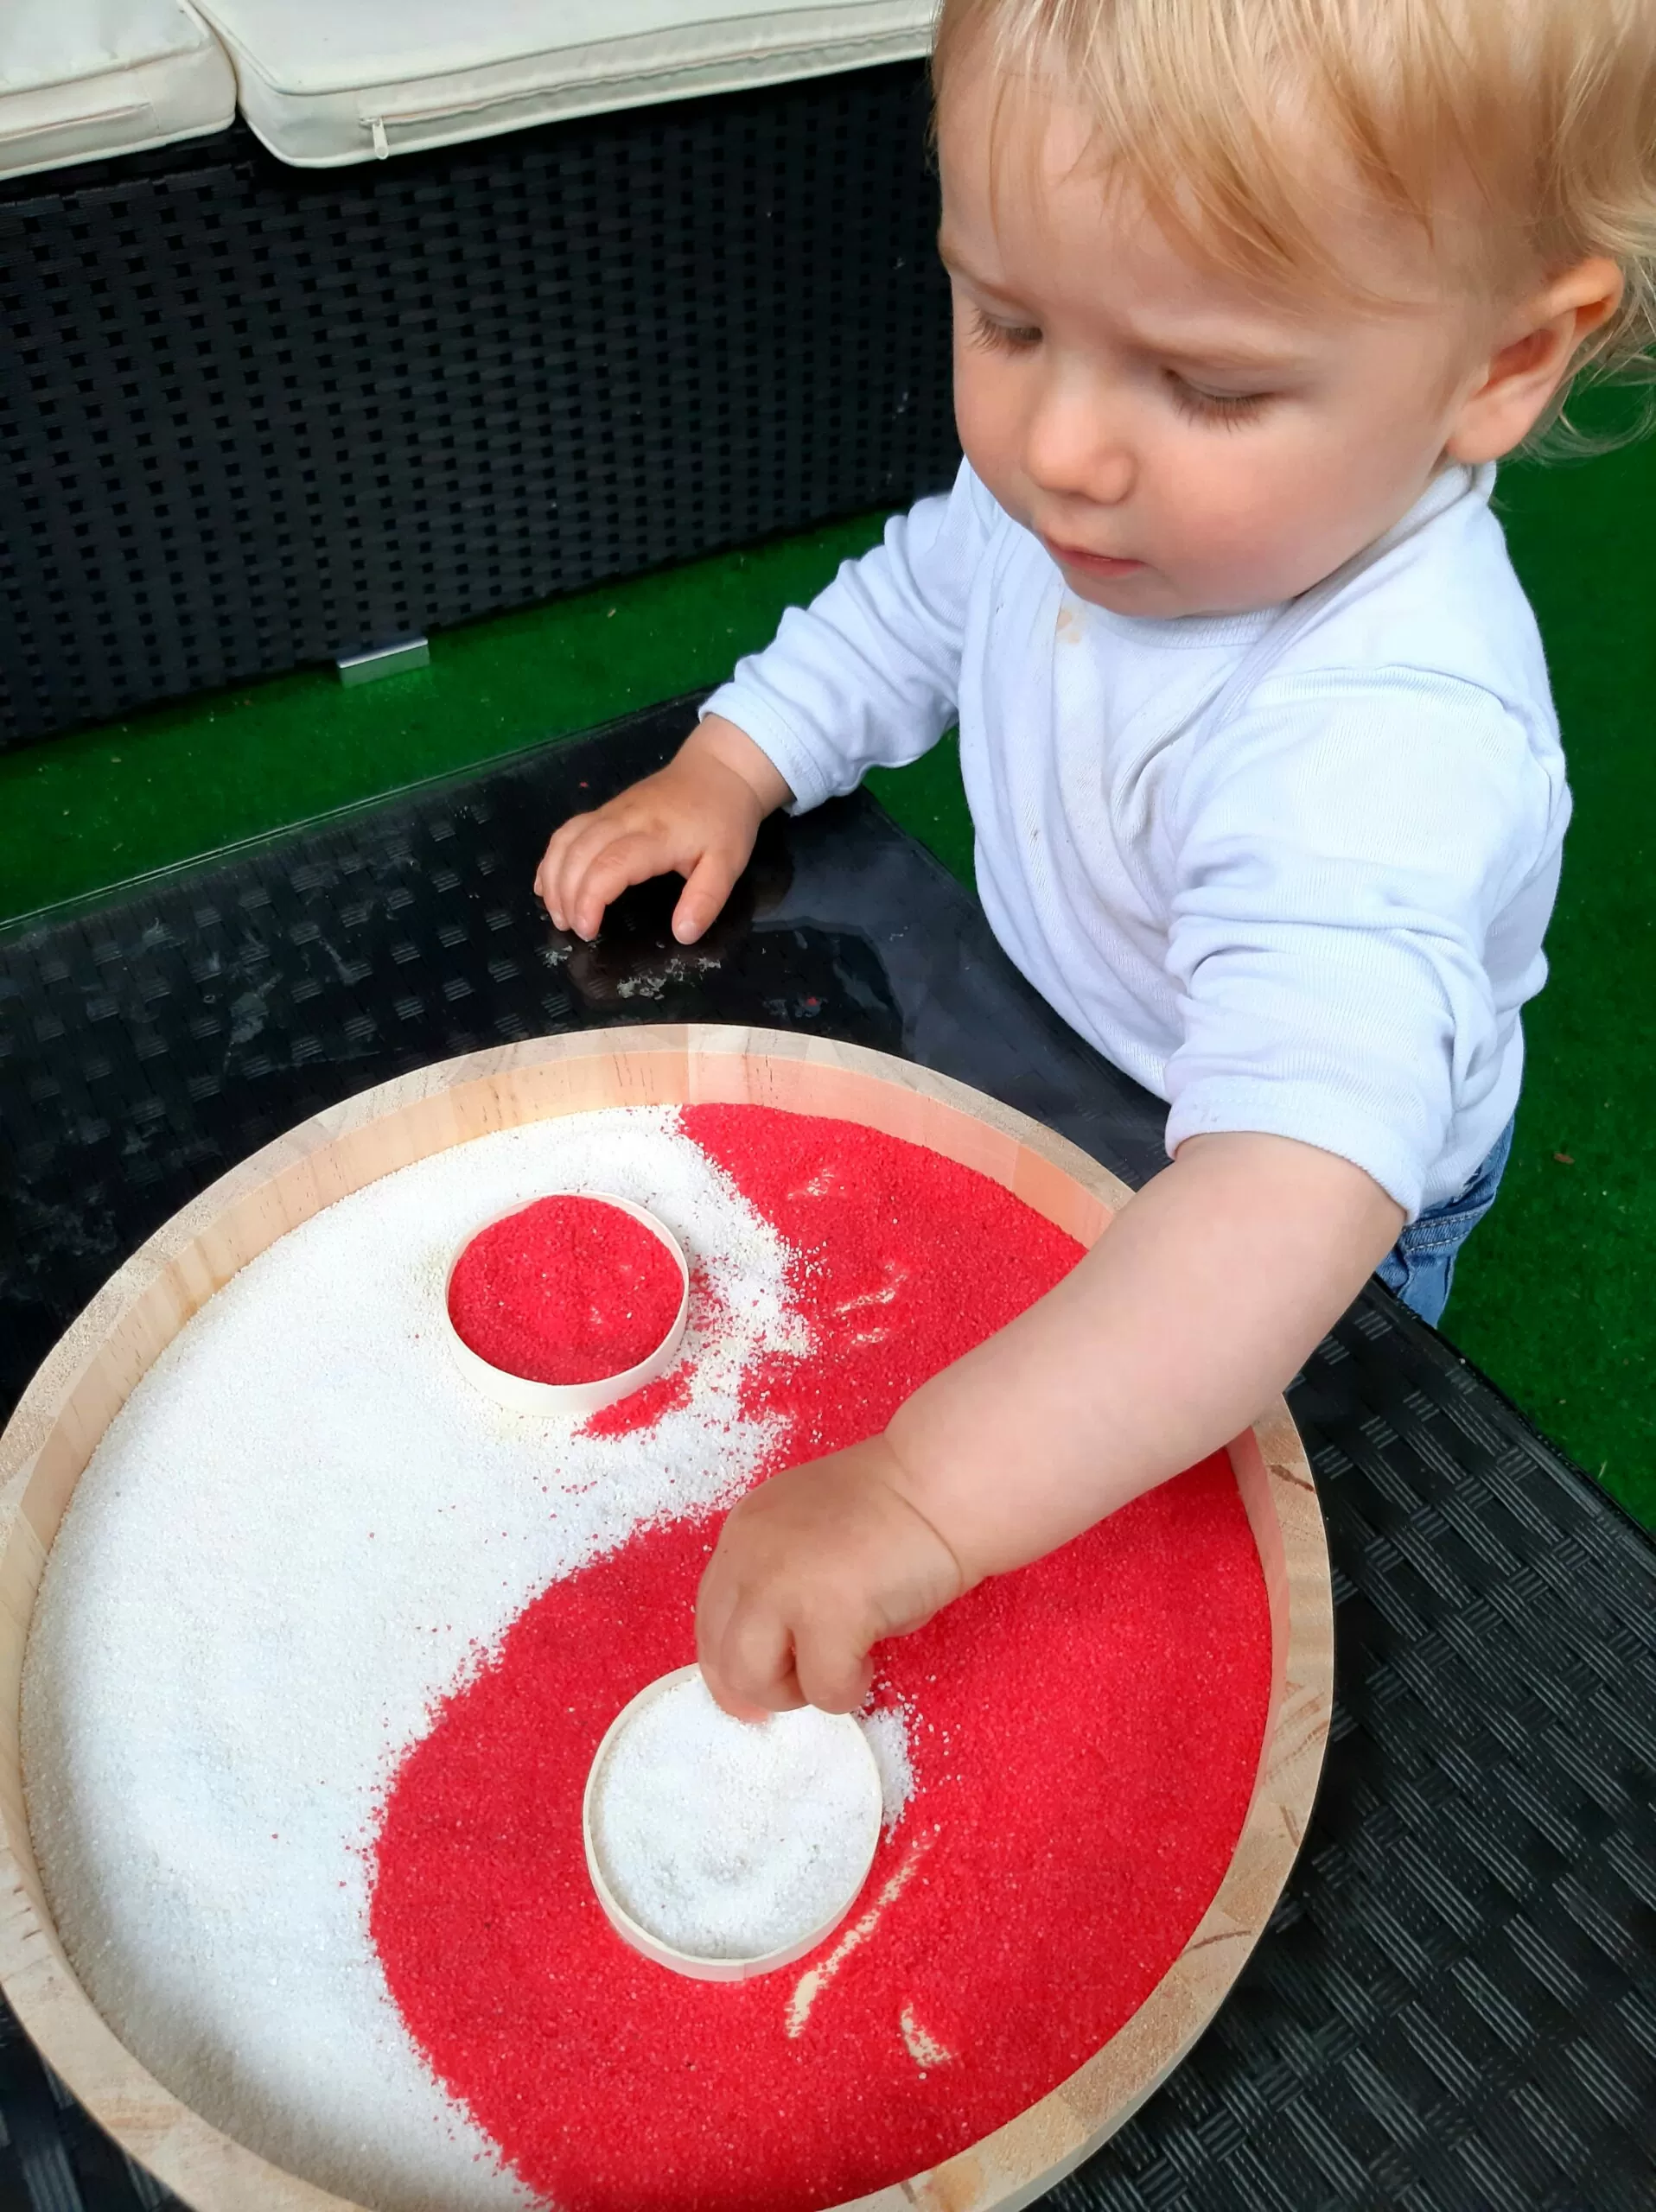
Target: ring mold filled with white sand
(256,1528)
(724,1848)
(295,1537)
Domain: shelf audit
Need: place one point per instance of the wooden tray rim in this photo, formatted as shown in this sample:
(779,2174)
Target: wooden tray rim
(50,1437)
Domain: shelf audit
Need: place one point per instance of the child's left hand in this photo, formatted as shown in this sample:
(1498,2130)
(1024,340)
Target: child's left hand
(812,1570)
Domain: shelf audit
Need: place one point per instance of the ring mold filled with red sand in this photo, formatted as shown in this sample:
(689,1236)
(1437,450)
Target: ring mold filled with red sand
(1104,1762)
(569,1305)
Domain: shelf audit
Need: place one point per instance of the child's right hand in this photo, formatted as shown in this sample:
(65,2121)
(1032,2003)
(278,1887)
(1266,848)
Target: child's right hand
(698,816)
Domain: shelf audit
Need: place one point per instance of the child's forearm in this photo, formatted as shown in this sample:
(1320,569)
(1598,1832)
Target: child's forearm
(1195,1308)
(1169,1338)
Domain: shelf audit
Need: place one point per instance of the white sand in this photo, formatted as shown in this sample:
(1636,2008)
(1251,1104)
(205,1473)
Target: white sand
(286,1547)
(729,1839)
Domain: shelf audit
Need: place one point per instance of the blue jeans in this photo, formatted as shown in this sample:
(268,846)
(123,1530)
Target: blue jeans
(1420,1266)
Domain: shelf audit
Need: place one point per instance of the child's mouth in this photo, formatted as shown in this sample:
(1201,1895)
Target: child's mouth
(1091,564)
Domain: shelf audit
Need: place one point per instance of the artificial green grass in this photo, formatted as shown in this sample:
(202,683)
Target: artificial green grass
(85,812)
(1555,1294)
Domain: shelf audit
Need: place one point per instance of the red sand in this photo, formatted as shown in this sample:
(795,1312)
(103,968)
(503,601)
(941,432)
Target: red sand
(1084,1733)
(566,1290)
(627,1416)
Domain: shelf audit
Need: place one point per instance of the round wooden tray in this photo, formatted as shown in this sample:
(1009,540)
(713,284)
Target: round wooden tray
(87,1379)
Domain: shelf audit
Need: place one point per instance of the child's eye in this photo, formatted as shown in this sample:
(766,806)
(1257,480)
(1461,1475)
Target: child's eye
(1002,337)
(1214,406)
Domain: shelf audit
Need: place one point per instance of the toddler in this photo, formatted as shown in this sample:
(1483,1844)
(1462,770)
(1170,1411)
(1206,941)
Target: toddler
(1250,297)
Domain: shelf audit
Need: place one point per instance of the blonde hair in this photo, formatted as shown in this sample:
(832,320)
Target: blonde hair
(1547,106)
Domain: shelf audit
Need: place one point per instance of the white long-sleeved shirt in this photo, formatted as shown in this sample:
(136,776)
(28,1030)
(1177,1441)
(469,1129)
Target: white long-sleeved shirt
(1289,868)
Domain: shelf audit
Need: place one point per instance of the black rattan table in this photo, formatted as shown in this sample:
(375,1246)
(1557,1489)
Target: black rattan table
(1455,2004)
(253,416)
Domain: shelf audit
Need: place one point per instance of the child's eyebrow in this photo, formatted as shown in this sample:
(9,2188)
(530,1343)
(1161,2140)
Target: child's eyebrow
(957,266)
(1198,353)
(1221,353)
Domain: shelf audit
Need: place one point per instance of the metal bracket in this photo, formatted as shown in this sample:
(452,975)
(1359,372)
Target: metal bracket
(394,659)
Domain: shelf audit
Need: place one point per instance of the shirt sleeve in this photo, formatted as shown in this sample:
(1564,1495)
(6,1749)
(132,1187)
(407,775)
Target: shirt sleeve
(1342,851)
(867,675)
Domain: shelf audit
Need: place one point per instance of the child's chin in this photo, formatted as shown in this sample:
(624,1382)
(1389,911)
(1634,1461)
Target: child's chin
(1146,591)
(1139,591)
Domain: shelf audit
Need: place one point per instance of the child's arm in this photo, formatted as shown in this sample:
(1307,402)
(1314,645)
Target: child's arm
(1195,1308)
(697,817)
(867,673)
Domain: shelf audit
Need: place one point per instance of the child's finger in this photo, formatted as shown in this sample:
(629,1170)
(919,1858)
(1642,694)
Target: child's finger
(706,888)
(543,877)
(753,1671)
(831,1672)
(715,1600)
(547,892)
(626,860)
(549,876)
(591,836)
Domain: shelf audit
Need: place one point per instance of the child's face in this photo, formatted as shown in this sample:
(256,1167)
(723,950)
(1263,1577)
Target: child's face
(1183,442)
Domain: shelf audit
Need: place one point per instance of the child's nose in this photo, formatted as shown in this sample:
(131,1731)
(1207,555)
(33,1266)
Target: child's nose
(1073,451)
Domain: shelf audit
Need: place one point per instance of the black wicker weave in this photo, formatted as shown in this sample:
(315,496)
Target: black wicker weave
(253,416)
(1454,2007)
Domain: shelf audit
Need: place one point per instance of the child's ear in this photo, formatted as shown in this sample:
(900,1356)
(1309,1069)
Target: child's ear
(1538,348)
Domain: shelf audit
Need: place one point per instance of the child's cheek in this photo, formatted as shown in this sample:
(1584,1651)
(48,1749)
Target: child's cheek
(986,415)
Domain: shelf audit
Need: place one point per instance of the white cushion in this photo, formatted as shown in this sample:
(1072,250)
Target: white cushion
(327,81)
(83,77)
